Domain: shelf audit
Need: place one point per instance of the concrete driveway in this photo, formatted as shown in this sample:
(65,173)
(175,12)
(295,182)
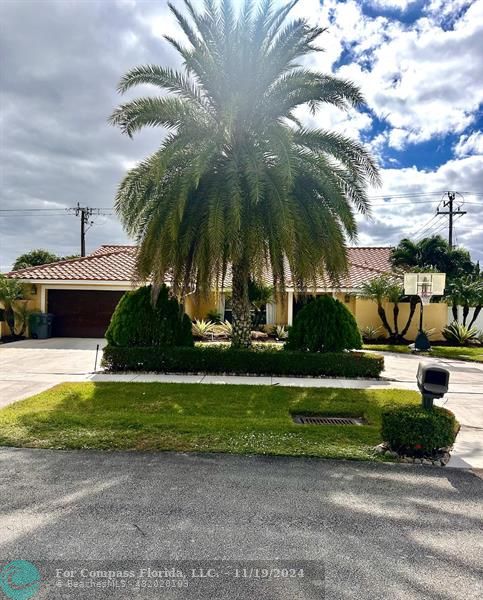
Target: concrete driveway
(31,366)
(377,531)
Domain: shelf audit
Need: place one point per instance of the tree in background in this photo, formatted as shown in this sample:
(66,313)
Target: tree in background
(34,258)
(238,180)
(432,253)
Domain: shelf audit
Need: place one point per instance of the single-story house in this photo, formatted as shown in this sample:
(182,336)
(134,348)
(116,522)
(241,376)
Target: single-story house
(83,292)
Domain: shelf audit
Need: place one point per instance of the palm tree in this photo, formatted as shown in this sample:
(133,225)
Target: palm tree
(380,289)
(238,183)
(432,253)
(466,292)
(11,292)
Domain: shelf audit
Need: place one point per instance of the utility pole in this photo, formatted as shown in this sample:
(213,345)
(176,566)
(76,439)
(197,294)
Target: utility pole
(449,204)
(85,213)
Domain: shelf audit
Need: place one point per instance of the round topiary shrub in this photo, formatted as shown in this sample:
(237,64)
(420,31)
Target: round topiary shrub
(137,322)
(324,325)
(414,428)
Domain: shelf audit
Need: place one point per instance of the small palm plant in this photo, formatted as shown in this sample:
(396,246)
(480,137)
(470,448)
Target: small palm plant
(371,333)
(459,334)
(238,181)
(225,329)
(202,329)
(11,294)
(280,332)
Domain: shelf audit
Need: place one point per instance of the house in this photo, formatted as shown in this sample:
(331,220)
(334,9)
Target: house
(83,292)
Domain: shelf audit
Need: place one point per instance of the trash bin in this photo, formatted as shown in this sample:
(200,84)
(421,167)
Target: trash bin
(40,325)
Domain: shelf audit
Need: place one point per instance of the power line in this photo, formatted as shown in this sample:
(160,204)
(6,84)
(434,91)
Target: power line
(426,225)
(50,209)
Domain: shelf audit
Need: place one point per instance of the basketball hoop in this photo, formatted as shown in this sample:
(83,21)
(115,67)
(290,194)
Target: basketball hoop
(424,285)
(425,293)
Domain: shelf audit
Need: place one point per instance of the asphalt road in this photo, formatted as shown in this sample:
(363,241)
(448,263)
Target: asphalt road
(376,531)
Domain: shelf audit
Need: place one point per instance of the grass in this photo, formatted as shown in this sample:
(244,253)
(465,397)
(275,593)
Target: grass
(470,353)
(198,418)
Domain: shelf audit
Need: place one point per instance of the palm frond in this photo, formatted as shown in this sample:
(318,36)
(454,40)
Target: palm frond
(237,179)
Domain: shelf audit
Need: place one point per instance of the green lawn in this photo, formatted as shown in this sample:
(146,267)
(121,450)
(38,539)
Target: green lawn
(472,353)
(197,418)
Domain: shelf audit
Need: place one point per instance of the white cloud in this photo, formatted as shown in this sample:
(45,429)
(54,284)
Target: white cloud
(420,79)
(412,215)
(470,144)
(399,4)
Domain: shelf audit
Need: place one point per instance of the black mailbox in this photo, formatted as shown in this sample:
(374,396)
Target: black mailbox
(433,382)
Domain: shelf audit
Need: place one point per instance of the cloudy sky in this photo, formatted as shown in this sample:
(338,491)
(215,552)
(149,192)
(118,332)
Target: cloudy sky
(418,62)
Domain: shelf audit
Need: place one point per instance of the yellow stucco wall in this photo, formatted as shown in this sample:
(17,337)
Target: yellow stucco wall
(33,304)
(197,307)
(34,294)
(435,316)
(365,311)
(281,309)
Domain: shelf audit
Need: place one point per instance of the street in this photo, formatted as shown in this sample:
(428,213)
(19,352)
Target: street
(380,531)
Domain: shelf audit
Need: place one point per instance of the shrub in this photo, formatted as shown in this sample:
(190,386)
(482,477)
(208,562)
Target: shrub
(224,329)
(370,333)
(459,334)
(202,329)
(324,325)
(418,428)
(261,361)
(137,322)
(280,332)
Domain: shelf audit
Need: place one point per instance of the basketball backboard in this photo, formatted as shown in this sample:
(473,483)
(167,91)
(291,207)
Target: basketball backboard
(424,285)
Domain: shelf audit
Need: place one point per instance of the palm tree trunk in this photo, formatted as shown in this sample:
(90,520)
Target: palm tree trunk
(382,315)
(454,309)
(475,314)
(10,319)
(412,309)
(242,325)
(395,312)
(466,310)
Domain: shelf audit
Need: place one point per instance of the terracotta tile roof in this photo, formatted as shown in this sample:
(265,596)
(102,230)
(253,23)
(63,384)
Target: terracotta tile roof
(107,248)
(117,263)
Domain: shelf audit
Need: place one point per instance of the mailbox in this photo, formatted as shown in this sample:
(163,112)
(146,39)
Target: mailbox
(433,383)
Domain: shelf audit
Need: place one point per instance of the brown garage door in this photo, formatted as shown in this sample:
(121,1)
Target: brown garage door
(81,313)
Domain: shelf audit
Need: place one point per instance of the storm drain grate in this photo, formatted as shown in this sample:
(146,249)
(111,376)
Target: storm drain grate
(311,420)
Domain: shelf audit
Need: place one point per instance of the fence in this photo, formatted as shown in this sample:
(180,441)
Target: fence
(478,323)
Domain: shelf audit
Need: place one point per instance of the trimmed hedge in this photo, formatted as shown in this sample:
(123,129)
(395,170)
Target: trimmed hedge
(418,428)
(324,325)
(242,362)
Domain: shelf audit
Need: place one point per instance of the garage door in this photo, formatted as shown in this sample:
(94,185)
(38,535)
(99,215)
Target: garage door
(81,313)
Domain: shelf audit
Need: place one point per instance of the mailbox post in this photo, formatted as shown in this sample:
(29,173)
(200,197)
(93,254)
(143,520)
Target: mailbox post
(433,383)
